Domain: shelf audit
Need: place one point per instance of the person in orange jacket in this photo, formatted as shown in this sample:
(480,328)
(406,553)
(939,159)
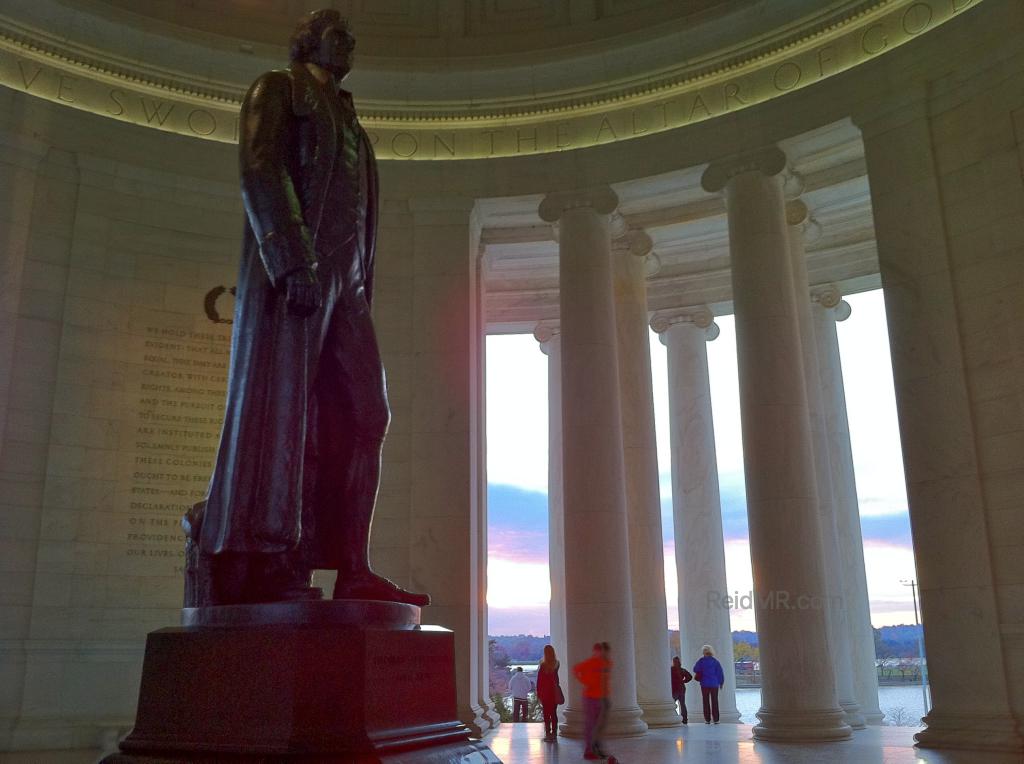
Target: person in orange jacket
(594,674)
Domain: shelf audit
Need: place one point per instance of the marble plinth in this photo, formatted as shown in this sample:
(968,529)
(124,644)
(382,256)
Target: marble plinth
(381,614)
(313,681)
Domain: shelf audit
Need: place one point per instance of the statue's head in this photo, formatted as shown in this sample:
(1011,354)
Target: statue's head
(323,38)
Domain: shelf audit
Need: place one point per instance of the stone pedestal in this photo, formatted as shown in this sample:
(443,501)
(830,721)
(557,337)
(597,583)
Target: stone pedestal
(312,681)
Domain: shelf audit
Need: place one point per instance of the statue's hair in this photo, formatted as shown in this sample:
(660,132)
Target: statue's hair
(307,34)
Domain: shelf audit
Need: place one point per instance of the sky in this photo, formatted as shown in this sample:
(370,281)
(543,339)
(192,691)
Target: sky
(517,451)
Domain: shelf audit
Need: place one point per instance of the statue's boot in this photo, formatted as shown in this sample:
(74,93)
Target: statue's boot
(370,586)
(356,580)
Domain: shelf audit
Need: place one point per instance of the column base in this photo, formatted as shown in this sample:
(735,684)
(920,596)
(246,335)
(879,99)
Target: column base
(696,708)
(660,714)
(852,716)
(477,719)
(802,726)
(727,717)
(975,732)
(873,718)
(488,716)
(621,722)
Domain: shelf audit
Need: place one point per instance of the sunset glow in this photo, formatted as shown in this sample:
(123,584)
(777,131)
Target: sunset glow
(518,583)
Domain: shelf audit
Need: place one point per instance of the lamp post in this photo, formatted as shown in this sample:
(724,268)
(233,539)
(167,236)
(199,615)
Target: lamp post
(920,642)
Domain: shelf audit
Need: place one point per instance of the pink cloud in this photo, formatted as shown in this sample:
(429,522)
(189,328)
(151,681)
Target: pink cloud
(518,545)
(518,620)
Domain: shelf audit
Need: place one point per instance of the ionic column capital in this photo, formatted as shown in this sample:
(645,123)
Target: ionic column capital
(769,161)
(602,199)
(638,243)
(793,184)
(544,332)
(799,215)
(617,225)
(699,318)
(830,297)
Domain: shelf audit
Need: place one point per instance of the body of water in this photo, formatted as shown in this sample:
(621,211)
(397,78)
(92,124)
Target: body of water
(905,701)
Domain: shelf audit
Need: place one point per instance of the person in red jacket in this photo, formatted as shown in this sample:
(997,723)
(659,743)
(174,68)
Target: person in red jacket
(549,692)
(594,674)
(680,677)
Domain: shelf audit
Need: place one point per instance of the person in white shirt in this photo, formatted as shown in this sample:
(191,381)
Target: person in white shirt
(519,685)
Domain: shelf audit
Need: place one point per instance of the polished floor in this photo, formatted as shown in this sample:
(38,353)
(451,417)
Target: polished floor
(729,744)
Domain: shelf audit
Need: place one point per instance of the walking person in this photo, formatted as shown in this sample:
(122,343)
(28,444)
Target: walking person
(594,674)
(680,677)
(520,685)
(708,671)
(549,692)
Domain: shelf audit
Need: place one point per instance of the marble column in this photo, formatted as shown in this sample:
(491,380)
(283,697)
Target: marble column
(598,604)
(798,219)
(696,504)
(798,695)
(632,261)
(963,469)
(442,426)
(549,336)
(827,308)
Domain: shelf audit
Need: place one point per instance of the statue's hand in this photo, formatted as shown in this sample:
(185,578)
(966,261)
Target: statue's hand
(302,292)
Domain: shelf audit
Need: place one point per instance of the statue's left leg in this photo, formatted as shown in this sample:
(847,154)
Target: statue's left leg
(353,420)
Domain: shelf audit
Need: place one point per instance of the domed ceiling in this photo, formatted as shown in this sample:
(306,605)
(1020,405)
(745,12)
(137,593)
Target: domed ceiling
(456,79)
(445,28)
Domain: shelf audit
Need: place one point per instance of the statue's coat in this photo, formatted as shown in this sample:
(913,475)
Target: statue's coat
(288,151)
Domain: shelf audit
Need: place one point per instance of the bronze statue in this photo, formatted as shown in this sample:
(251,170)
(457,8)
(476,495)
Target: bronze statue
(296,475)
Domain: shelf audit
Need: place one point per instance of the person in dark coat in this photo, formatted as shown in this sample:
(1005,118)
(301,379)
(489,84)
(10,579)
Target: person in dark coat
(680,677)
(708,671)
(296,474)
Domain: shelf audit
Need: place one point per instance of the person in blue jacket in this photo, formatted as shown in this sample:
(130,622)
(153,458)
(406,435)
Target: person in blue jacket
(708,671)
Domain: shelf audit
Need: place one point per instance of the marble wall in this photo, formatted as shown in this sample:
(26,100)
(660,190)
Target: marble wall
(948,196)
(114,380)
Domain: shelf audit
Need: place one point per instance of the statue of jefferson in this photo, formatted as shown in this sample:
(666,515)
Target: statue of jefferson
(296,474)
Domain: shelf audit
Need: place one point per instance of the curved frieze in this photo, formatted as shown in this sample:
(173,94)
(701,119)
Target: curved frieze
(563,122)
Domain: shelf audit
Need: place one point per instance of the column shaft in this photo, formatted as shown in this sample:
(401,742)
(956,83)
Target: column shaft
(798,692)
(844,488)
(551,345)
(598,605)
(643,491)
(697,510)
(835,604)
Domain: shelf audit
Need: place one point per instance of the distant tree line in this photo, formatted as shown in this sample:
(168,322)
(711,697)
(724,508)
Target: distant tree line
(890,642)
(897,641)
(522,647)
